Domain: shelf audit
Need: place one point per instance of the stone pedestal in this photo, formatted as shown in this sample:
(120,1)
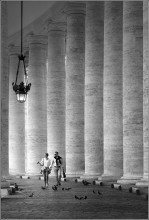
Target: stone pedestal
(16,117)
(132,92)
(112,89)
(75,55)
(4,94)
(56,89)
(144,181)
(37,108)
(94,33)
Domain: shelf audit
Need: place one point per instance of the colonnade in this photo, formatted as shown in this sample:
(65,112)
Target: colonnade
(91,102)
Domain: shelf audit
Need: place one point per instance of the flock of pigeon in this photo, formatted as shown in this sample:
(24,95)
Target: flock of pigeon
(55,188)
(85,183)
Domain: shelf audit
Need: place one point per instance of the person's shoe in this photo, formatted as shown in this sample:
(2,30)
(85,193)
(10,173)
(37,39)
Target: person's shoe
(59,184)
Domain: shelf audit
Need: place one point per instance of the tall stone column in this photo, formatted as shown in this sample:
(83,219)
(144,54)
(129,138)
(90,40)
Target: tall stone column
(144,181)
(75,55)
(56,89)
(112,89)
(37,108)
(4,127)
(94,39)
(16,117)
(132,91)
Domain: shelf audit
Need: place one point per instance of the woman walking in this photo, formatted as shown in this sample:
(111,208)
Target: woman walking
(45,163)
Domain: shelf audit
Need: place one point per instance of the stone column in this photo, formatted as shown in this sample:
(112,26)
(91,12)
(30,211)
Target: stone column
(132,91)
(4,93)
(94,39)
(16,117)
(37,108)
(144,181)
(56,89)
(112,86)
(75,55)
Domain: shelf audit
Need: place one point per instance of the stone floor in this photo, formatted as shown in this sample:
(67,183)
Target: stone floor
(62,204)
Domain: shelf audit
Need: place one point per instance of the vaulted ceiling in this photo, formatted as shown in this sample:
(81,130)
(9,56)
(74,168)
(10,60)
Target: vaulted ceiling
(31,11)
(35,16)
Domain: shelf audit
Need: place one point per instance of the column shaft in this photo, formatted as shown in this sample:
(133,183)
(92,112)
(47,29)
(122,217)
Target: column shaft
(75,54)
(132,91)
(113,128)
(145,91)
(144,181)
(4,93)
(56,89)
(94,88)
(37,110)
(16,117)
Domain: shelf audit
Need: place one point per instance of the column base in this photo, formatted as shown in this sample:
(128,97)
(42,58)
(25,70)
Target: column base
(13,174)
(7,177)
(74,174)
(109,178)
(143,182)
(129,179)
(4,192)
(31,176)
(5,184)
(90,176)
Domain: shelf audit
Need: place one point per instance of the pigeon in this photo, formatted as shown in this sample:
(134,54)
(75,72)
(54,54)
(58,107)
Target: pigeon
(80,198)
(85,182)
(68,188)
(16,187)
(93,191)
(76,197)
(31,195)
(20,189)
(99,192)
(54,188)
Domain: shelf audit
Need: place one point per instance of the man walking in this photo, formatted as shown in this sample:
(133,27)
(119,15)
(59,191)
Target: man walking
(56,163)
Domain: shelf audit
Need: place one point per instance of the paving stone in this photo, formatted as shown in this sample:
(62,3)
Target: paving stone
(61,204)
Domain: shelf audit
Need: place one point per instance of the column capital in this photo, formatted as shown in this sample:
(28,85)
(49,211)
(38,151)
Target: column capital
(75,8)
(37,39)
(16,50)
(56,28)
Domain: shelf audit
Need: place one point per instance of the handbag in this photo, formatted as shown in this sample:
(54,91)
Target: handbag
(64,174)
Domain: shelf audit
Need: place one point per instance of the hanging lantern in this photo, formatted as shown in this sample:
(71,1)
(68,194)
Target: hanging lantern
(22,89)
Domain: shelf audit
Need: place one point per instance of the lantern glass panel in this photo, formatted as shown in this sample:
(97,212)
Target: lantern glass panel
(21,97)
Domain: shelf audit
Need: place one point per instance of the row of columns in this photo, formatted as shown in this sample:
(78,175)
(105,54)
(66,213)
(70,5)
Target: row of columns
(94,113)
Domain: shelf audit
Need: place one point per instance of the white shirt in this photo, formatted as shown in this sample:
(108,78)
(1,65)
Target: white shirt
(45,162)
